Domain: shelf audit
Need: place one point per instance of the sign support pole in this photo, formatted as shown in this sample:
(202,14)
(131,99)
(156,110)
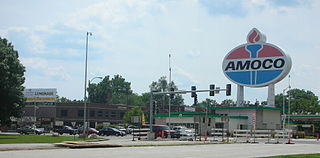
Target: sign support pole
(240,95)
(271,95)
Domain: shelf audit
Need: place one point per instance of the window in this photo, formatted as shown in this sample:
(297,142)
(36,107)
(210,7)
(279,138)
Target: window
(121,114)
(209,122)
(106,114)
(64,113)
(113,114)
(99,113)
(92,113)
(80,113)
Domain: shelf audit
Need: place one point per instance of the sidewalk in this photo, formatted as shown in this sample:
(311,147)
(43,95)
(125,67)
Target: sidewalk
(126,142)
(7,147)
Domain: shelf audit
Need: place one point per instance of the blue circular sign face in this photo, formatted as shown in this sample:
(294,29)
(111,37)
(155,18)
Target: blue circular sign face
(256,63)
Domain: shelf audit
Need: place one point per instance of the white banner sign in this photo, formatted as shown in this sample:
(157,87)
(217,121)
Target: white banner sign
(40,95)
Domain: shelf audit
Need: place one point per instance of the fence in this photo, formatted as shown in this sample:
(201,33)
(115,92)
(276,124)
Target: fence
(140,133)
(273,136)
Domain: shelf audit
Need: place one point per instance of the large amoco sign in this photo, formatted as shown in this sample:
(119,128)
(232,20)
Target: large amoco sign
(256,63)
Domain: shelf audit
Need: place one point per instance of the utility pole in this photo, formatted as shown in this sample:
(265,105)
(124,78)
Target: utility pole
(169,90)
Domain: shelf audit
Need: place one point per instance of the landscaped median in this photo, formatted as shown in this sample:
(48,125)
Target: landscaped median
(22,139)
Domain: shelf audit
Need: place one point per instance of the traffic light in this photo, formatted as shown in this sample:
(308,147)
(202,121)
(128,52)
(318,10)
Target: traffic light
(171,94)
(155,108)
(193,94)
(212,87)
(228,90)
(195,101)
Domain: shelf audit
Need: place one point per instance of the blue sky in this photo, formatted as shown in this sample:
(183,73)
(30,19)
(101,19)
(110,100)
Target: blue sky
(134,37)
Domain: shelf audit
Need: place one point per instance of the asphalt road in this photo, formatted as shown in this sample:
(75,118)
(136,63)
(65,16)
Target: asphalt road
(190,151)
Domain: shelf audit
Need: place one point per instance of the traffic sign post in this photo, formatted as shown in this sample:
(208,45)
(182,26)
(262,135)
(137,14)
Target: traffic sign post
(253,116)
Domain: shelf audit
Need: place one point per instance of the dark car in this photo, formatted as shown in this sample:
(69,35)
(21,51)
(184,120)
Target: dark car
(111,131)
(29,130)
(65,129)
(160,130)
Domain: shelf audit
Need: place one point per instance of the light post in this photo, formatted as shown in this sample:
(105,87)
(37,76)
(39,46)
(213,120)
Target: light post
(89,108)
(283,107)
(169,94)
(283,111)
(94,78)
(35,118)
(85,87)
(289,100)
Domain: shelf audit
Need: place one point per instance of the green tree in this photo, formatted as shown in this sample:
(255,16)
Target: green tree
(135,111)
(227,102)
(63,100)
(301,101)
(115,91)
(208,103)
(162,86)
(11,79)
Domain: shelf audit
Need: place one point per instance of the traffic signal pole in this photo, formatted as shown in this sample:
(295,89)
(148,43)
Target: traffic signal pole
(185,92)
(227,89)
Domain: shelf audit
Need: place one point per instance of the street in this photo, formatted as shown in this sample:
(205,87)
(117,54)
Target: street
(189,151)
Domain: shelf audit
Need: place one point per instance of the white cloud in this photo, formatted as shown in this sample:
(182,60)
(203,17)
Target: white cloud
(45,67)
(134,37)
(36,45)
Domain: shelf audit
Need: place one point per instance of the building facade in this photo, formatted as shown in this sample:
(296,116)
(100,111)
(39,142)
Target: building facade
(71,114)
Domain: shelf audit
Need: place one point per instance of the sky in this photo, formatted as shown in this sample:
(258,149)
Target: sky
(133,38)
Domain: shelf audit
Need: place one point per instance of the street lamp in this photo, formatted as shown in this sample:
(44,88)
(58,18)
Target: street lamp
(283,110)
(35,117)
(85,86)
(283,105)
(170,86)
(89,86)
(95,78)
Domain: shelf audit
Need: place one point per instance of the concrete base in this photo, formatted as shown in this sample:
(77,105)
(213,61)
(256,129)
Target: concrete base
(150,136)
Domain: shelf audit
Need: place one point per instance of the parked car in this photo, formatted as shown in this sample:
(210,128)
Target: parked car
(160,130)
(183,132)
(65,129)
(130,129)
(88,131)
(29,130)
(107,131)
(120,128)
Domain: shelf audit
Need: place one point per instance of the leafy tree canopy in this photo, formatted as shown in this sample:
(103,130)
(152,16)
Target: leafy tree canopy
(162,85)
(11,79)
(135,111)
(227,102)
(63,100)
(301,101)
(116,91)
(207,103)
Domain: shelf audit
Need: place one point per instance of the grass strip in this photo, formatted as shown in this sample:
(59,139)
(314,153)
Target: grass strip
(18,139)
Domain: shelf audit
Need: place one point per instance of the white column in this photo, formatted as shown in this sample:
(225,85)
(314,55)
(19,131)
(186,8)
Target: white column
(240,95)
(271,96)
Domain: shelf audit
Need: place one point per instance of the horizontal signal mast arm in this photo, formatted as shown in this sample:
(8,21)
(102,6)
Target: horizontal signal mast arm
(185,92)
